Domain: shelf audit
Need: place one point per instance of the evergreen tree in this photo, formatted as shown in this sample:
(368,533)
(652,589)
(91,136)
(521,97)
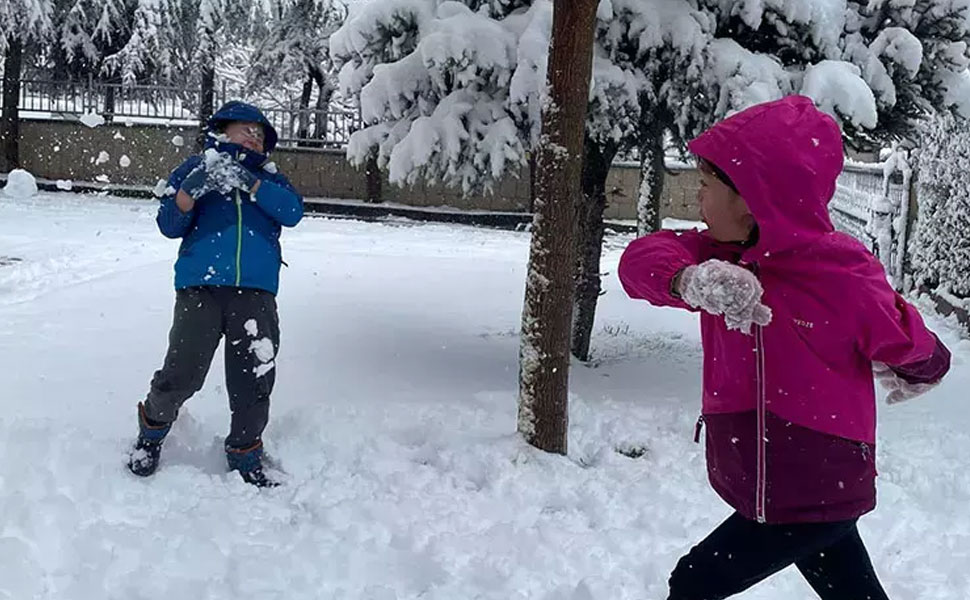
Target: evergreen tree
(940,246)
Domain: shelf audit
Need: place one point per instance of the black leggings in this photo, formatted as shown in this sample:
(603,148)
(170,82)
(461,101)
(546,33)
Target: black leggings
(740,553)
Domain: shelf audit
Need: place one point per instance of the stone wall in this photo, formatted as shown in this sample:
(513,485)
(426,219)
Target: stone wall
(70,150)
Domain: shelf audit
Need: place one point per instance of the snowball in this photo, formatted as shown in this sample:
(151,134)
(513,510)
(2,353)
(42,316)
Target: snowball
(102,178)
(64,184)
(92,119)
(103,157)
(124,161)
(271,167)
(178,141)
(160,188)
(20,184)
(118,136)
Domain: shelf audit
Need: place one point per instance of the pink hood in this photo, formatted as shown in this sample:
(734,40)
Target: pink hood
(784,158)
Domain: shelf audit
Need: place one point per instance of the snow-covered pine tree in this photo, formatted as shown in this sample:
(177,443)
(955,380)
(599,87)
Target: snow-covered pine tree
(295,53)
(86,32)
(21,23)
(644,75)
(441,93)
(940,245)
(914,55)
(150,50)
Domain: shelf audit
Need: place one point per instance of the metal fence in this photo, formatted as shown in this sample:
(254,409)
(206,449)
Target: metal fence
(873,206)
(851,207)
(330,127)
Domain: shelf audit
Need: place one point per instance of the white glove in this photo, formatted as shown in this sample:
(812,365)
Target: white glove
(900,390)
(721,288)
(225,174)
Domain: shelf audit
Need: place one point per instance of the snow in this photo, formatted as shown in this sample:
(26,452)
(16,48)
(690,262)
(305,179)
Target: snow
(745,78)
(124,161)
(92,119)
(838,89)
(102,158)
(394,417)
(162,188)
(721,288)
(178,141)
(251,327)
(20,184)
(901,46)
(64,185)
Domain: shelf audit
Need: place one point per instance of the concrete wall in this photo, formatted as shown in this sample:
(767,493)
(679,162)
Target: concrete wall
(70,150)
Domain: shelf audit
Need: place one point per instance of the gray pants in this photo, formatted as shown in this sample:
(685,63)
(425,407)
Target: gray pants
(203,315)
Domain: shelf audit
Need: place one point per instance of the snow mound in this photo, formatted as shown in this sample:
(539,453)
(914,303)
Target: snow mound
(20,184)
(92,119)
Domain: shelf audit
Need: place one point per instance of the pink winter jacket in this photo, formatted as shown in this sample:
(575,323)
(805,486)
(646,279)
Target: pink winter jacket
(790,411)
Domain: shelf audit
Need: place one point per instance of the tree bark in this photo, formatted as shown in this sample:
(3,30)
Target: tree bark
(206,106)
(10,119)
(374,179)
(532,181)
(321,114)
(110,99)
(303,115)
(589,244)
(651,178)
(547,315)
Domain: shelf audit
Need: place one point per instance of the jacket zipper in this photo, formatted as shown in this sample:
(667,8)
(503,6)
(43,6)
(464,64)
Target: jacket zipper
(761,490)
(762,485)
(238,238)
(697,429)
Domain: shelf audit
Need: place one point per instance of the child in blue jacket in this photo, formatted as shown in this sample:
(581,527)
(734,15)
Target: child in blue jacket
(228,206)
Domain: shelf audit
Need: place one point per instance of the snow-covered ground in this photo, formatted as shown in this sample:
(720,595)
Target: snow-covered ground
(394,419)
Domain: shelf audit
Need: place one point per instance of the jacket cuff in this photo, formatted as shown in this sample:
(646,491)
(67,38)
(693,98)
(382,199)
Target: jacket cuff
(930,370)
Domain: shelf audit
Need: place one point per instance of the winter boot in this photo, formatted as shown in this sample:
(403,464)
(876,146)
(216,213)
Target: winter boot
(143,459)
(249,463)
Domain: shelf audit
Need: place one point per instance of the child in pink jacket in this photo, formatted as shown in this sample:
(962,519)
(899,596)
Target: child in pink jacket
(794,316)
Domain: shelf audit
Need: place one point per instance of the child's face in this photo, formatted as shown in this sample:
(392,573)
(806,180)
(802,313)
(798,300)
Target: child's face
(723,210)
(248,135)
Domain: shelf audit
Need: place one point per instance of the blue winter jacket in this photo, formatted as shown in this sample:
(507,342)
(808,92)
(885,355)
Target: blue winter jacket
(232,239)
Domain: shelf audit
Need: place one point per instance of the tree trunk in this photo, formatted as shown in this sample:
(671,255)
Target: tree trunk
(321,115)
(303,127)
(373,174)
(110,99)
(532,182)
(206,108)
(589,244)
(547,315)
(10,119)
(651,179)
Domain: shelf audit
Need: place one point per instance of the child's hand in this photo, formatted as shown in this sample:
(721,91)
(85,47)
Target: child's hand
(899,389)
(721,288)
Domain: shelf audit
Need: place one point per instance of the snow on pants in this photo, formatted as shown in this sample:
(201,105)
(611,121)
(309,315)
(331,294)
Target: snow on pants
(741,553)
(203,315)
